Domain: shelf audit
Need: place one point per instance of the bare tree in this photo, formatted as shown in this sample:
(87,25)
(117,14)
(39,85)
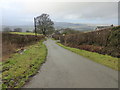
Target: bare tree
(18,30)
(7,29)
(44,23)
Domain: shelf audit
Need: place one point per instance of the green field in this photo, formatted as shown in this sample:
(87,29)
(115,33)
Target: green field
(24,33)
(106,60)
(20,67)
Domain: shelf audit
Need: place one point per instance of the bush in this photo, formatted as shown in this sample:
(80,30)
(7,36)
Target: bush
(105,41)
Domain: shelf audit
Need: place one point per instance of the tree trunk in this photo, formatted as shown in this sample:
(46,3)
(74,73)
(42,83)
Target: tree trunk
(44,33)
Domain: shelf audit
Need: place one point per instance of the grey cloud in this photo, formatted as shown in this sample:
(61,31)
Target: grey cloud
(99,12)
(89,10)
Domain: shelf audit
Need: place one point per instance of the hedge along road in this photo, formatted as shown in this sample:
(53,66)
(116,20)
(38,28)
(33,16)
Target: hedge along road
(65,69)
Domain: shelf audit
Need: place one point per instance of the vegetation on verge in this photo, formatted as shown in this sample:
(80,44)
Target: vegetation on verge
(106,60)
(20,67)
(11,42)
(105,41)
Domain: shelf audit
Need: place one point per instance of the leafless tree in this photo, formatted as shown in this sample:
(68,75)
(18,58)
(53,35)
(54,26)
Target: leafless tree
(18,30)
(7,29)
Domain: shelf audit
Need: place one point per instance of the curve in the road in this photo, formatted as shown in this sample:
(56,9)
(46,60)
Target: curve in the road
(65,69)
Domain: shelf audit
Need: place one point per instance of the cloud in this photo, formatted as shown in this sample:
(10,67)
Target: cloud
(23,11)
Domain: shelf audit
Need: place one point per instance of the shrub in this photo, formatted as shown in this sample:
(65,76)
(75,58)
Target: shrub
(105,41)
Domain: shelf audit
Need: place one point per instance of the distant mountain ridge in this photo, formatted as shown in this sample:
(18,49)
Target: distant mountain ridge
(58,25)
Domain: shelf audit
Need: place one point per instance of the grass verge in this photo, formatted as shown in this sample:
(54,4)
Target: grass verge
(17,69)
(24,33)
(106,60)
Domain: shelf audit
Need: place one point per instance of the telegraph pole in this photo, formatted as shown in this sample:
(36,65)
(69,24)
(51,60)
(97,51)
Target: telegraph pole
(35,28)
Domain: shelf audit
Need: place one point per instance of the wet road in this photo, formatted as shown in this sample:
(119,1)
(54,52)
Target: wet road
(65,69)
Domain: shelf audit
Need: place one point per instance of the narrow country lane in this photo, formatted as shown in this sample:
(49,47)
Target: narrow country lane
(65,69)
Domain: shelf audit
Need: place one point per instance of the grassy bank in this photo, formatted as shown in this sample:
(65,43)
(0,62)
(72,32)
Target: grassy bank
(20,67)
(16,41)
(106,60)
(24,33)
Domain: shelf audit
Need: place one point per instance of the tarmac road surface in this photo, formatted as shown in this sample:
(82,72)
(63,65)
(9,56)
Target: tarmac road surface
(65,69)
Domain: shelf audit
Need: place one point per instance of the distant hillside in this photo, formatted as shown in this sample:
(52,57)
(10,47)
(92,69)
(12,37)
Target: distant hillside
(76,26)
(58,25)
(24,27)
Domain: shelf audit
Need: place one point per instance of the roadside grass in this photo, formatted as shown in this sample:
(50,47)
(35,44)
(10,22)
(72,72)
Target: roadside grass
(106,60)
(24,33)
(20,67)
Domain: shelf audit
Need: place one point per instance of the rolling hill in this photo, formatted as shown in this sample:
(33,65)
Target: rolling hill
(57,25)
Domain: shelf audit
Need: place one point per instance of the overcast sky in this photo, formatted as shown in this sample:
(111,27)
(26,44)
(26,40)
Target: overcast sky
(21,12)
